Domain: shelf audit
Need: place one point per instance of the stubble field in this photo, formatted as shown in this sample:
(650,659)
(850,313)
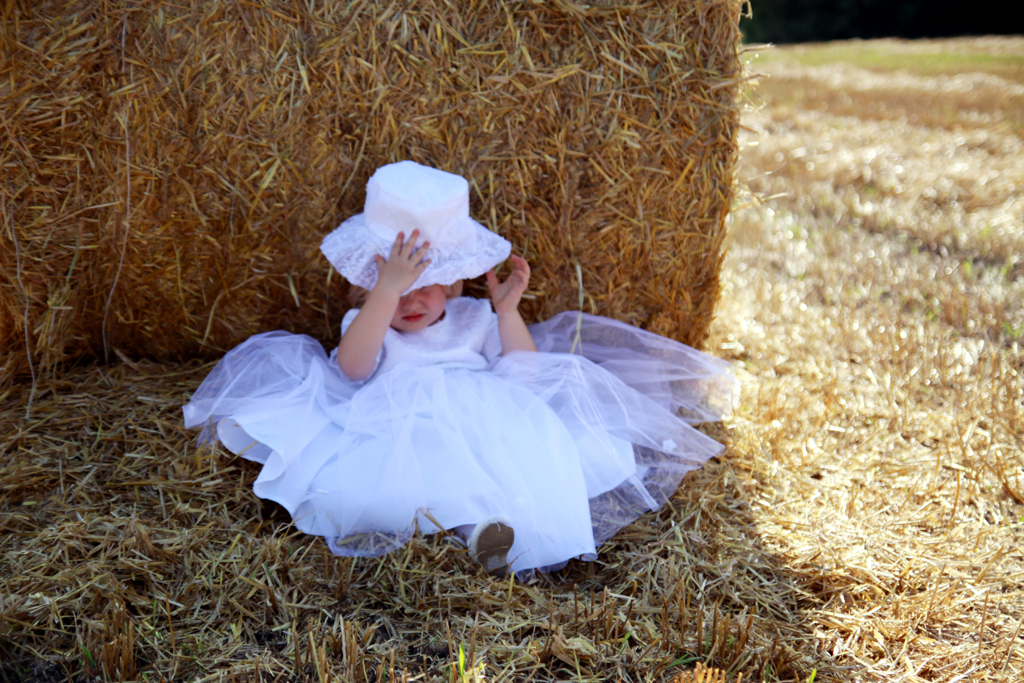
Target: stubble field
(865,523)
(876,295)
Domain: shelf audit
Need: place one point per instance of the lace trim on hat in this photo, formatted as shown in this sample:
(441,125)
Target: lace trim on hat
(351,248)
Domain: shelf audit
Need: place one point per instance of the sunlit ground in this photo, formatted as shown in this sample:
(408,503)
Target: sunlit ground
(875,293)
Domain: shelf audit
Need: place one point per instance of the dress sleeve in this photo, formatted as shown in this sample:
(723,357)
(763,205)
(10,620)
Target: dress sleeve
(350,315)
(492,340)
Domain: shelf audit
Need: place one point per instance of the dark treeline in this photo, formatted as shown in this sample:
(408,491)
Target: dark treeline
(797,21)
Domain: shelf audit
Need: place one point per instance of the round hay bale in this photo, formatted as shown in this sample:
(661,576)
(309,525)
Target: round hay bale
(169,169)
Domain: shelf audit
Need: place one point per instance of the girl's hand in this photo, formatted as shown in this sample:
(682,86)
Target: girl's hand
(505,295)
(403,266)
(362,342)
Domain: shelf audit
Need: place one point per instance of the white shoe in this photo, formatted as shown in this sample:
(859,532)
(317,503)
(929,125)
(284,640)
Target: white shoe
(489,546)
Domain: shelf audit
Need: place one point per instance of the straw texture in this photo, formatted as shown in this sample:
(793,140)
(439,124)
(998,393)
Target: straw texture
(169,170)
(130,555)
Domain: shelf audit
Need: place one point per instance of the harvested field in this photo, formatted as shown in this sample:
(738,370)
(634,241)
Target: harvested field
(877,298)
(865,523)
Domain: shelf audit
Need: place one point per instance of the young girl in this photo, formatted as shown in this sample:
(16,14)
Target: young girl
(436,412)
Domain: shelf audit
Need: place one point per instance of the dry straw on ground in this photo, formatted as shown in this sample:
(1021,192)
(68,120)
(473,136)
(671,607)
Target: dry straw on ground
(169,169)
(877,299)
(128,554)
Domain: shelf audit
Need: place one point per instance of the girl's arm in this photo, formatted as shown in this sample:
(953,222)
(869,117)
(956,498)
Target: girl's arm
(362,341)
(505,298)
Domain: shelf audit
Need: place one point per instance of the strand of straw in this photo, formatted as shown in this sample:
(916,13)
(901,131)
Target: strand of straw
(579,317)
(28,345)
(128,205)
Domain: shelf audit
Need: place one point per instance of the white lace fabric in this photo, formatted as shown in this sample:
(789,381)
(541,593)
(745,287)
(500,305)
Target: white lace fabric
(352,246)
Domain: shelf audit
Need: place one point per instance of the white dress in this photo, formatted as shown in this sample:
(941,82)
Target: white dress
(569,448)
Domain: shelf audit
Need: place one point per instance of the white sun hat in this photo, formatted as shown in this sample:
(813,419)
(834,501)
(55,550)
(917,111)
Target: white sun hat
(406,196)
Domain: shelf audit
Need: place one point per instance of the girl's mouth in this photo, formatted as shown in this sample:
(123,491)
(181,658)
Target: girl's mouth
(414,318)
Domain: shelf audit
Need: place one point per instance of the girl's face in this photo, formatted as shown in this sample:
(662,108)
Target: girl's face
(420,309)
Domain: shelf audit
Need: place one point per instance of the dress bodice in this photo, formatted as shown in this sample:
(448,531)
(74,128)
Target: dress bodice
(465,337)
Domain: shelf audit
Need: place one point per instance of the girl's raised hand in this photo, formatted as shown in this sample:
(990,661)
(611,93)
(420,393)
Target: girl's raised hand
(404,264)
(505,295)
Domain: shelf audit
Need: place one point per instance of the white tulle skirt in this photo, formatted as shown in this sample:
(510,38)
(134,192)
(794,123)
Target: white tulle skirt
(568,448)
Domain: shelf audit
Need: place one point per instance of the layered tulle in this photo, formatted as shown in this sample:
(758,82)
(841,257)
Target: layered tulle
(567,447)
(695,385)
